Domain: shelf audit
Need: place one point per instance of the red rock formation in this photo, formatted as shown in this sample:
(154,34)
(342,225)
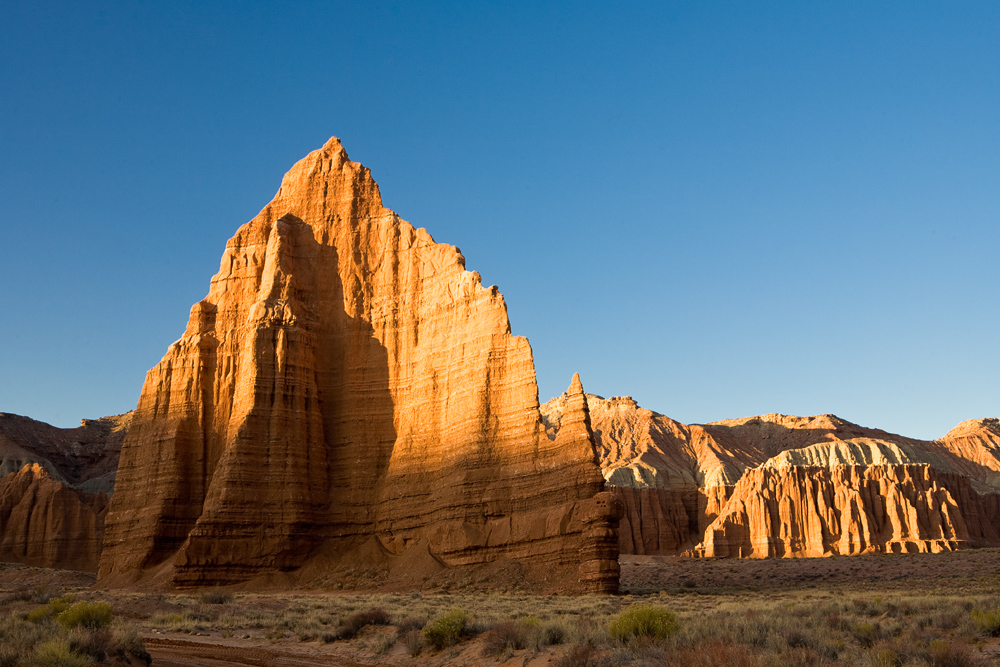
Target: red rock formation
(599,569)
(345,377)
(675,481)
(85,457)
(53,489)
(849,509)
(45,523)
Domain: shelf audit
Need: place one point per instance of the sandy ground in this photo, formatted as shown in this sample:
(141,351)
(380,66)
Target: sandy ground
(170,652)
(974,571)
(685,584)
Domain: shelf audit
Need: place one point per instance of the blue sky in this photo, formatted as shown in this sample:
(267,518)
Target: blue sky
(721,209)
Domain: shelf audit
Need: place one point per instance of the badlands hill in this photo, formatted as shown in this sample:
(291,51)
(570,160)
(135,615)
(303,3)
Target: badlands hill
(54,487)
(777,485)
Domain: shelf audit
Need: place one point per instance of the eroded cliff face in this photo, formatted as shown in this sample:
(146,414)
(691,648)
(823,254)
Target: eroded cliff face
(85,457)
(46,523)
(802,511)
(778,485)
(345,379)
(54,484)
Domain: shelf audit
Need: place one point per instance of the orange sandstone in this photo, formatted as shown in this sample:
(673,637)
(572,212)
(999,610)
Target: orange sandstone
(345,379)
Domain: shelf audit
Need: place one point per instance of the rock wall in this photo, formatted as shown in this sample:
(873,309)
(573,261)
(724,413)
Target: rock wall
(45,523)
(345,378)
(802,511)
(750,486)
(54,486)
(85,457)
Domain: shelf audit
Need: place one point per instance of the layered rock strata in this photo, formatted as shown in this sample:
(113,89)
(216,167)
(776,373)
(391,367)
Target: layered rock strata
(46,523)
(802,511)
(778,485)
(85,457)
(54,486)
(345,378)
(599,569)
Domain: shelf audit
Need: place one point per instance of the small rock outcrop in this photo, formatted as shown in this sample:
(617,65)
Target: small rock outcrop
(599,569)
(345,379)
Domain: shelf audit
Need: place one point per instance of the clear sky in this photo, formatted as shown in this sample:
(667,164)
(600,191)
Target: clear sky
(719,208)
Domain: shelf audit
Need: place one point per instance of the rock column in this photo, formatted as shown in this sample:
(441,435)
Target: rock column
(599,569)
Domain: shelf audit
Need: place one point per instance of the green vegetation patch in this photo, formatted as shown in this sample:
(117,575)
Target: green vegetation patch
(643,621)
(446,630)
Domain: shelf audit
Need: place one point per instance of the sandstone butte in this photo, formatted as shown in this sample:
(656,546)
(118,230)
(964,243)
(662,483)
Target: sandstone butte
(348,392)
(54,486)
(778,485)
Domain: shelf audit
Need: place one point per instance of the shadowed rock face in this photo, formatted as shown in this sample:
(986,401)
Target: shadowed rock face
(345,379)
(46,523)
(778,485)
(54,486)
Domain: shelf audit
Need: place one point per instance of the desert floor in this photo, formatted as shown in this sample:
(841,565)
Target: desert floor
(877,610)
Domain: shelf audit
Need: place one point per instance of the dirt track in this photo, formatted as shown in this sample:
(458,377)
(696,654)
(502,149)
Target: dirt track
(183,653)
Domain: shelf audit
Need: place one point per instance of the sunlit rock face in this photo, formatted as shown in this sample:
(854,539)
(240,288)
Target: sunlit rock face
(802,511)
(778,485)
(345,379)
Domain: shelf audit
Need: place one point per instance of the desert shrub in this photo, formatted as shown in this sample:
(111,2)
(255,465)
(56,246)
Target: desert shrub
(38,595)
(414,642)
(643,621)
(91,615)
(215,596)
(506,636)
(446,630)
(952,654)
(553,634)
(581,655)
(887,657)
(9,656)
(128,641)
(57,653)
(94,643)
(715,654)
(39,614)
(410,623)
(866,634)
(987,621)
(353,624)
(61,604)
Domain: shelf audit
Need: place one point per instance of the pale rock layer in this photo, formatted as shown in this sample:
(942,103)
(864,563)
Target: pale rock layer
(731,488)
(803,511)
(345,378)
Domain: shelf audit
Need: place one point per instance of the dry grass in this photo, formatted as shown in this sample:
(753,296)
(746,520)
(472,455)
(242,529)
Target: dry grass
(82,634)
(951,622)
(807,628)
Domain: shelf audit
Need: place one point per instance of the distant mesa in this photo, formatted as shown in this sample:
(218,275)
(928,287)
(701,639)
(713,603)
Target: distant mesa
(348,393)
